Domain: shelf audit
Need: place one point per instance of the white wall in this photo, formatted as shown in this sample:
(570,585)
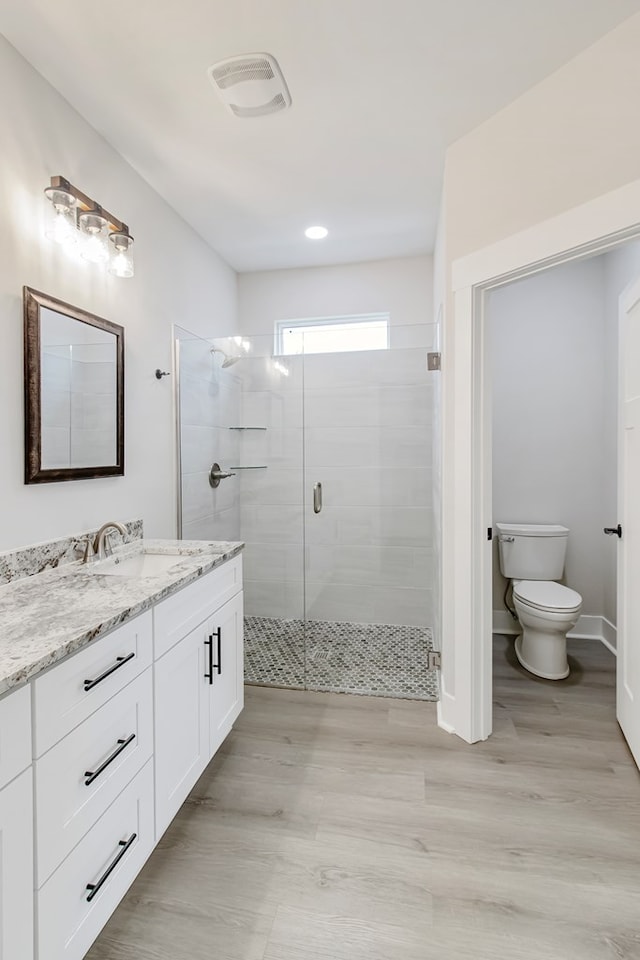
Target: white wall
(178,279)
(567,140)
(403,287)
(548,336)
(367,438)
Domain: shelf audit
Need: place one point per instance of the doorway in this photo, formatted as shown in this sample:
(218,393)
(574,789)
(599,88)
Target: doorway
(552,341)
(596,227)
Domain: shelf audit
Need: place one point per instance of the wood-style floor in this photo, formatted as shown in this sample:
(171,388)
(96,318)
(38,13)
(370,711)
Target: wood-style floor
(336,827)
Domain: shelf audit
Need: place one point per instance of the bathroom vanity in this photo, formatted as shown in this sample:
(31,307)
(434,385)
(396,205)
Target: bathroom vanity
(119,682)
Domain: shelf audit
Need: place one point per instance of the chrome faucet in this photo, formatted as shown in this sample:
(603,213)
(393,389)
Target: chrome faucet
(99,548)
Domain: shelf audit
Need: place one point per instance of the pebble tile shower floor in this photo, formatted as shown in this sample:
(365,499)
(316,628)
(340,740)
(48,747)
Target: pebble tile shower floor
(380,660)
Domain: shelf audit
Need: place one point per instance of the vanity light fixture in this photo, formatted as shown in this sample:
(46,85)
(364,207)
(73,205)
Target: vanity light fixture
(81,225)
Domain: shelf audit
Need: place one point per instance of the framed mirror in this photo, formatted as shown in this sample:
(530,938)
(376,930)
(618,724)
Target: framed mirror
(73,392)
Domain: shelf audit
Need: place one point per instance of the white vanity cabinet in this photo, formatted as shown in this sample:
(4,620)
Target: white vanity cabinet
(94,816)
(98,753)
(199,682)
(16,827)
(181,714)
(227,675)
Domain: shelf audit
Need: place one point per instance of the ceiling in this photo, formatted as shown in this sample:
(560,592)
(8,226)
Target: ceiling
(379,87)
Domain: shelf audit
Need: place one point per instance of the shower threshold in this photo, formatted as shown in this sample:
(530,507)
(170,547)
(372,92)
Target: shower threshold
(378,660)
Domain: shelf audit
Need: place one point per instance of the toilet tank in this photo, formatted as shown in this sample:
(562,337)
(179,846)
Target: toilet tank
(532,551)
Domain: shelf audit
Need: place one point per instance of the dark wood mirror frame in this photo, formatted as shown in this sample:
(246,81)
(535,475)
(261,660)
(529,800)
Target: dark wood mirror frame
(33,301)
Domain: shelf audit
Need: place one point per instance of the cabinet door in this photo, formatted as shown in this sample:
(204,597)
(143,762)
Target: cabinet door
(16,869)
(227,690)
(181,723)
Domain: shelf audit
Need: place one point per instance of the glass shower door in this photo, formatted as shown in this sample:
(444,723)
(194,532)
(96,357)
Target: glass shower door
(368,518)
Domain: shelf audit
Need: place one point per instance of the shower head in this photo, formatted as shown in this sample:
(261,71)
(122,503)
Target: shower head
(228,360)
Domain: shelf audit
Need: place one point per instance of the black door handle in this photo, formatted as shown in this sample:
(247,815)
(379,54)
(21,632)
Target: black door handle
(613,531)
(208,674)
(218,665)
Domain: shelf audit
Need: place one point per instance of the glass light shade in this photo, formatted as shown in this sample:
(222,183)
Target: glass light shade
(61,217)
(121,254)
(94,236)
(61,199)
(61,226)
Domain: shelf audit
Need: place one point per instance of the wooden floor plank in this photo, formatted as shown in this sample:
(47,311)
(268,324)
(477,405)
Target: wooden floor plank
(332,827)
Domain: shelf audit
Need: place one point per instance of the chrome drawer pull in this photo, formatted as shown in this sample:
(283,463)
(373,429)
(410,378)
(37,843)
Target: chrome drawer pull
(120,662)
(94,774)
(94,887)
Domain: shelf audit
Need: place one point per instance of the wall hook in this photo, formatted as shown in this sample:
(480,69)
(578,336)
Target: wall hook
(161,373)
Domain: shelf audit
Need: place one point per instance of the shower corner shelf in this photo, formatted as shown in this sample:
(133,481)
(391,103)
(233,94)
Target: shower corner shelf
(247,428)
(252,467)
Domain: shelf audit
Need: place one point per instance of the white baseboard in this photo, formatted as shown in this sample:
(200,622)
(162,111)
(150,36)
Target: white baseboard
(609,635)
(587,628)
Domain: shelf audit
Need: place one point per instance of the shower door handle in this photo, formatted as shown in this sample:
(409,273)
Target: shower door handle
(317,497)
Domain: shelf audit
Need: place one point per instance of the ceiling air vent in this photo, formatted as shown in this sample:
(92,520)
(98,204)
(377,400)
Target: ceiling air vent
(251,85)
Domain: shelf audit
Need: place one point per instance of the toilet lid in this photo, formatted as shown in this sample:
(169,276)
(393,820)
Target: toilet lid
(547,595)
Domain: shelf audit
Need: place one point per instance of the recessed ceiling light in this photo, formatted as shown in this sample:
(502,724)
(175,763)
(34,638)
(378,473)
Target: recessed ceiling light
(316,233)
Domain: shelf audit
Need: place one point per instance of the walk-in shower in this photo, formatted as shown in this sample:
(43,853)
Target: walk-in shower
(338,586)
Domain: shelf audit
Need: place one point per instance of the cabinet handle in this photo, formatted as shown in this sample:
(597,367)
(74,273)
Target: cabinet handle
(94,774)
(120,662)
(218,665)
(208,674)
(94,887)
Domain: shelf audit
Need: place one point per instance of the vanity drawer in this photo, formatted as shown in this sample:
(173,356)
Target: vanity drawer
(109,857)
(77,779)
(15,734)
(178,615)
(78,686)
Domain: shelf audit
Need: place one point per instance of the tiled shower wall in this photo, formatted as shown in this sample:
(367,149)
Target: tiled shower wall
(271,499)
(367,439)
(79,423)
(209,406)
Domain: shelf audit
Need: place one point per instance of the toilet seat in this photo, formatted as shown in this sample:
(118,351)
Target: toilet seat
(547,596)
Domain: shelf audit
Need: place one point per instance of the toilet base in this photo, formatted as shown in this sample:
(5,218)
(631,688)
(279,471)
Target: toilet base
(535,670)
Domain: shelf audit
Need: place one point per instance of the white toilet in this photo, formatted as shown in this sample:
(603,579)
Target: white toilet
(532,557)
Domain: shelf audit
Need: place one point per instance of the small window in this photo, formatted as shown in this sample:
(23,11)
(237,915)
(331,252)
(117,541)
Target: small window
(368,331)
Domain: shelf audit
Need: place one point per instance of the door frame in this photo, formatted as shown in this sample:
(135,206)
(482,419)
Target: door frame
(601,225)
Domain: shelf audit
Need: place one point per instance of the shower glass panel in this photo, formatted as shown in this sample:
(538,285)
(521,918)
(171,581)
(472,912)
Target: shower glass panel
(368,555)
(332,495)
(241,408)
(208,401)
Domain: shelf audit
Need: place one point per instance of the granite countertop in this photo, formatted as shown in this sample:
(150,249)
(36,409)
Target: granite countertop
(45,617)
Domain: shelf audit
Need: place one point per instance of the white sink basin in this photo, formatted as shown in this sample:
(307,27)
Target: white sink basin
(138,565)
